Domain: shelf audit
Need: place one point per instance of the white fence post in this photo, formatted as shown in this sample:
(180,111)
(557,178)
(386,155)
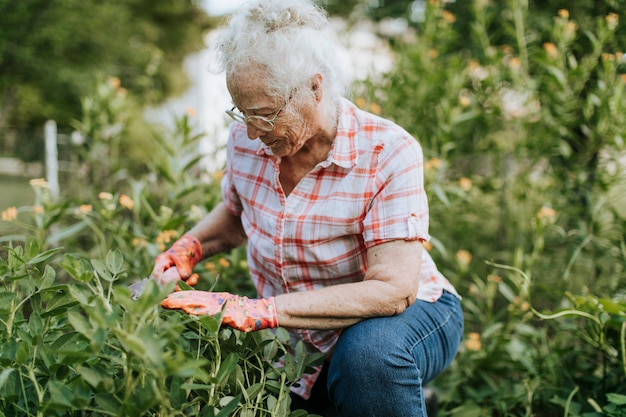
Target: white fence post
(52,161)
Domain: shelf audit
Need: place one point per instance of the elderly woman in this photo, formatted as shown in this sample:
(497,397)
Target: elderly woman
(330,201)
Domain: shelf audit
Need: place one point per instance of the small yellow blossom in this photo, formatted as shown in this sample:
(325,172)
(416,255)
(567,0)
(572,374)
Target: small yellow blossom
(105,196)
(38,210)
(563,13)
(127,202)
(551,50)
(432,53)
(464,101)
(515,63)
(166,236)
(465,183)
(525,306)
(612,19)
(623,77)
(360,102)
(115,82)
(427,245)
(140,242)
(375,108)
(85,208)
(122,92)
(473,290)
(494,278)
(243,264)
(210,266)
(473,342)
(9,214)
(433,163)
(463,257)
(38,183)
(224,263)
(218,175)
(570,30)
(448,16)
(607,57)
(546,213)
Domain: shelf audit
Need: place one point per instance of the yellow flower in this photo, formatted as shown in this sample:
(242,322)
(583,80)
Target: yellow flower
(9,214)
(607,57)
(127,202)
(37,209)
(433,163)
(432,53)
(115,82)
(85,208)
(140,242)
(564,13)
(546,213)
(375,108)
(494,278)
(448,16)
(464,101)
(166,236)
(209,266)
(427,245)
(515,63)
(473,342)
(612,19)
(463,257)
(38,183)
(551,50)
(623,77)
(105,196)
(224,263)
(360,102)
(465,183)
(218,175)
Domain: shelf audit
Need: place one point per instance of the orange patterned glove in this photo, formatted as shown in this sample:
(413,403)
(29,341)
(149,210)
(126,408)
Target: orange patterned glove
(241,313)
(178,261)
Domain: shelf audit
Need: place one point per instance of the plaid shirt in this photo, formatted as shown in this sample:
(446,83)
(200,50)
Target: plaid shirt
(369,190)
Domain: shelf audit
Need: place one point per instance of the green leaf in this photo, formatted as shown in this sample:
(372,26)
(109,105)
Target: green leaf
(47,278)
(291,367)
(228,409)
(617,399)
(101,270)
(226,368)
(115,262)
(44,256)
(80,324)
(6,298)
(31,247)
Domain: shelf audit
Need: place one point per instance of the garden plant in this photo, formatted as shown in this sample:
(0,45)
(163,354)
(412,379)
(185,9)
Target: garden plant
(523,130)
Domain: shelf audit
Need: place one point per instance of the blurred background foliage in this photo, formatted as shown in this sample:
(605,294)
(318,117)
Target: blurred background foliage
(53,52)
(520,107)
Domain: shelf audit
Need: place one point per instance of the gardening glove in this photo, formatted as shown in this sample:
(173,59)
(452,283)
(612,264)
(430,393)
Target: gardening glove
(241,313)
(178,261)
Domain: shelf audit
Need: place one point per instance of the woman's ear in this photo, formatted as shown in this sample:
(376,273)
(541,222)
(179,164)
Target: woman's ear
(316,87)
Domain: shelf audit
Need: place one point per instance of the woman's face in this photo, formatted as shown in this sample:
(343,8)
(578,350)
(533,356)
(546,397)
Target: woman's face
(294,124)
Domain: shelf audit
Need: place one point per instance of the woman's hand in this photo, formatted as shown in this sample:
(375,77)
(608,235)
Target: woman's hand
(178,261)
(241,313)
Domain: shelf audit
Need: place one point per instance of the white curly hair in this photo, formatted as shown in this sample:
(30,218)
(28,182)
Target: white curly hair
(290,40)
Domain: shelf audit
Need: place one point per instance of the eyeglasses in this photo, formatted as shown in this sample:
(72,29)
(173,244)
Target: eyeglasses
(264,123)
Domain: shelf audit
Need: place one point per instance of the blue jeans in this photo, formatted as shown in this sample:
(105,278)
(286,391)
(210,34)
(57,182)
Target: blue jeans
(379,366)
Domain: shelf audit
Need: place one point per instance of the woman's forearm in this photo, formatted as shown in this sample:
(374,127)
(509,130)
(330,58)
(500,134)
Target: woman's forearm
(340,306)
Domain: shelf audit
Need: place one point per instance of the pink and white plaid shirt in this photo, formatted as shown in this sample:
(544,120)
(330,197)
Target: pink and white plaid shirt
(369,190)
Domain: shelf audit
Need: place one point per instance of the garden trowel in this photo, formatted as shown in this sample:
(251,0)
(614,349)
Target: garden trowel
(137,288)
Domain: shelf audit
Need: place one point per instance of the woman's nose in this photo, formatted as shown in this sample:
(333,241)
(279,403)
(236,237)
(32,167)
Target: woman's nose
(254,132)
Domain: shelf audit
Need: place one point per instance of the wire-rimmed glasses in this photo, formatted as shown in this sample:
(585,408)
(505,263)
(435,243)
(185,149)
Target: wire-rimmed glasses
(264,123)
